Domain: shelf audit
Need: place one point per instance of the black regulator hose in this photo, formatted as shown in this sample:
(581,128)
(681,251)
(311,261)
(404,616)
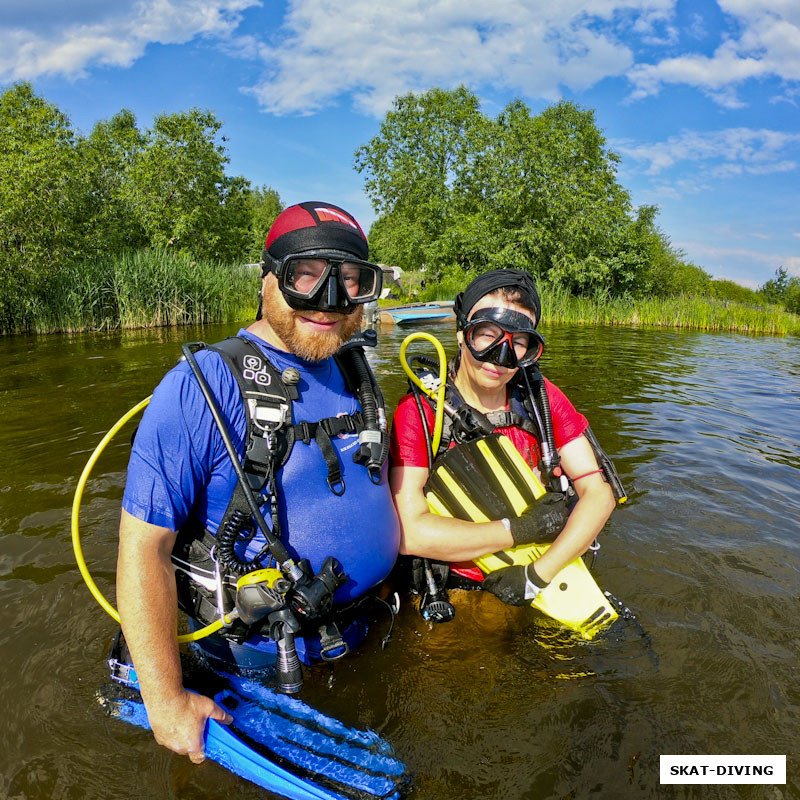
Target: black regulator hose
(547,419)
(227,536)
(436,606)
(544,419)
(425,361)
(275,545)
(371,401)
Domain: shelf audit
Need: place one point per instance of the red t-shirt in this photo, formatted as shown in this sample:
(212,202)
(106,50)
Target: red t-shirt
(408,447)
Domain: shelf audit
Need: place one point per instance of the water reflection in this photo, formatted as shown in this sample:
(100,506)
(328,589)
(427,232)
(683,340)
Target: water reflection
(704,429)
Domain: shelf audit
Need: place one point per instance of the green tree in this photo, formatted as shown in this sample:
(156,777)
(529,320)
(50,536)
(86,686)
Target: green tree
(774,290)
(179,193)
(108,154)
(569,217)
(264,205)
(782,290)
(457,191)
(792,296)
(725,289)
(413,170)
(43,198)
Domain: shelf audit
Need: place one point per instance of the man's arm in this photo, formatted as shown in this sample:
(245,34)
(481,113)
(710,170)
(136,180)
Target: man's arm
(148,607)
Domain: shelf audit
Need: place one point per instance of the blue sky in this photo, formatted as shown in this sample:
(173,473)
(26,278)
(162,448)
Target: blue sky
(701,99)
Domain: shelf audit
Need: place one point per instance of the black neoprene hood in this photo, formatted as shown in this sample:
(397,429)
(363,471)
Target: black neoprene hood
(492,281)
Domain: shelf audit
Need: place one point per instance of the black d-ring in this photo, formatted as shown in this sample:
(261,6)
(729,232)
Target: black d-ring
(333,483)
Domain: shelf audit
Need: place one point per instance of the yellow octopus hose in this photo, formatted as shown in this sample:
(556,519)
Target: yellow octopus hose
(438,395)
(76,537)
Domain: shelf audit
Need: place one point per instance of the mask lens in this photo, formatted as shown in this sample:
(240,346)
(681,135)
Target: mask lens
(521,344)
(303,276)
(485,335)
(359,280)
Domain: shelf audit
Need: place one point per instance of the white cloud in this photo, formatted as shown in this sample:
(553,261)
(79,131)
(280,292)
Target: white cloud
(731,231)
(105,34)
(718,257)
(325,50)
(697,27)
(766,44)
(375,50)
(740,150)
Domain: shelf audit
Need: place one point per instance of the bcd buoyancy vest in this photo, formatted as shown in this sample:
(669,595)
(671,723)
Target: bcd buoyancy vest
(527,411)
(208,566)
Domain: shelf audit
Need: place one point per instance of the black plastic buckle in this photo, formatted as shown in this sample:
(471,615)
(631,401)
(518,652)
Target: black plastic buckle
(305,432)
(338,482)
(332,645)
(335,426)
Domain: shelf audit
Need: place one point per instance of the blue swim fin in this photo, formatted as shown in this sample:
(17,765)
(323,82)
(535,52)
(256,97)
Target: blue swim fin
(282,744)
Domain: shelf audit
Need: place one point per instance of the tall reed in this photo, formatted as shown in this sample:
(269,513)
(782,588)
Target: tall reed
(680,311)
(143,289)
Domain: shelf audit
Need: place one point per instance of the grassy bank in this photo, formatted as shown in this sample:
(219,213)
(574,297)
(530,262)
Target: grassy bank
(681,311)
(141,289)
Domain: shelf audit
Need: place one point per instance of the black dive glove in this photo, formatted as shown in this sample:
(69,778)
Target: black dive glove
(542,522)
(515,586)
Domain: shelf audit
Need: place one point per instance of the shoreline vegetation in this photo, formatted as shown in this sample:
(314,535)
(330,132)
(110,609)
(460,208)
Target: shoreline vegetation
(159,288)
(681,311)
(128,227)
(145,289)
(749,313)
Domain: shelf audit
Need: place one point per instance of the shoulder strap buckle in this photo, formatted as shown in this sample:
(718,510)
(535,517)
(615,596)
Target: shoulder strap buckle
(304,432)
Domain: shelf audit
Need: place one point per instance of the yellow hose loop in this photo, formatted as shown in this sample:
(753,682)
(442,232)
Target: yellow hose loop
(438,396)
(76,537)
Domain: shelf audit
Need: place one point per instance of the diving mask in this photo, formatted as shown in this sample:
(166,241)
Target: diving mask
(326,280)
(503,337)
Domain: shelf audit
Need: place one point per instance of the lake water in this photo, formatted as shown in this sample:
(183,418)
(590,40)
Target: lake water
(705,431)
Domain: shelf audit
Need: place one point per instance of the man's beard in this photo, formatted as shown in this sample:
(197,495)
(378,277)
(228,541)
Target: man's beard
(309,345)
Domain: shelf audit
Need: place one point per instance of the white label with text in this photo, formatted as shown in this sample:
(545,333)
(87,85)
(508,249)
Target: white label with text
(723,769)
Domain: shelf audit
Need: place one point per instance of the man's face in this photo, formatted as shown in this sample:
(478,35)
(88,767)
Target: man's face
(312,335)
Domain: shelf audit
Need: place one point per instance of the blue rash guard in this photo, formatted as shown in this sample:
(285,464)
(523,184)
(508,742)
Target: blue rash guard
(179,469)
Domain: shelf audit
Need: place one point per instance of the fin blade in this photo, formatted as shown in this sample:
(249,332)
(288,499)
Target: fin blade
(287,747)
(228,750)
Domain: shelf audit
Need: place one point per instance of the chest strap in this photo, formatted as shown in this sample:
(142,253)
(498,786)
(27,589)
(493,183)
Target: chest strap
(516,416)
(322,432)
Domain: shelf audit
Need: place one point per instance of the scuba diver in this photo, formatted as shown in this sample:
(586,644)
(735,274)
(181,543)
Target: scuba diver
(494,385)
(261,455)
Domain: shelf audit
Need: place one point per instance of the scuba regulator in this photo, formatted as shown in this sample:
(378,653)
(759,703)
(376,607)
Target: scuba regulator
(265,594)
